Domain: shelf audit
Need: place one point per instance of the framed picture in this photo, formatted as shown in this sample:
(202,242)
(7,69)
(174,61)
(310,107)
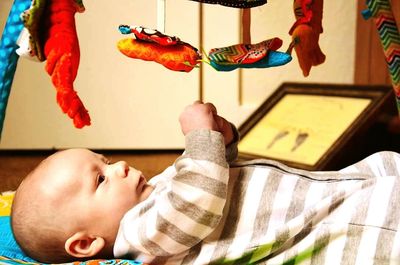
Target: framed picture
(307,125)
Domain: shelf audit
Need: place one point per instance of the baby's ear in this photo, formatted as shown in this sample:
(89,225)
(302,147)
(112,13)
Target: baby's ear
(82,245)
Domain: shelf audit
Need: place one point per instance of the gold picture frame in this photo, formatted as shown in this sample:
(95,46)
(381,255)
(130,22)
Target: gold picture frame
(307,125)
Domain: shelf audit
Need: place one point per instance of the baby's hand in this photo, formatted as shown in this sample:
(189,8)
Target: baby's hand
(198,116)
(225,128)
(204,116)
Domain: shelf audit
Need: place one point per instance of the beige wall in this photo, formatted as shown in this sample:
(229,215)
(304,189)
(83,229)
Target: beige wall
(135,104)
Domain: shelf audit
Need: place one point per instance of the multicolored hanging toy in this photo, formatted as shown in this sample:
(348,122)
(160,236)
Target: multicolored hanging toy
(260,55)
(382,13)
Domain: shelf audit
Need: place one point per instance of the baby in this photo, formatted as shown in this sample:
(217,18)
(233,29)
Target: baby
(204,209)
(71,205)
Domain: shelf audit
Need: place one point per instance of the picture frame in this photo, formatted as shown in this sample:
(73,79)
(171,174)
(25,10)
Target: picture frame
(308,125)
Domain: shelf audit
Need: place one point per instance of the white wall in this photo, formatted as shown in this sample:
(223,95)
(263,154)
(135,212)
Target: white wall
(135,104)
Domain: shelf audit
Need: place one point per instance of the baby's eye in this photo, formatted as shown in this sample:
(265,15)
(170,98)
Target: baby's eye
(100,179)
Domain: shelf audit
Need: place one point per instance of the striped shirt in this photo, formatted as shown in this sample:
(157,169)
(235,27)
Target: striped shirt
(204,212)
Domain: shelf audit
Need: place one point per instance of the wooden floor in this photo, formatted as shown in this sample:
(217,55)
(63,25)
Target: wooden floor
(15,165)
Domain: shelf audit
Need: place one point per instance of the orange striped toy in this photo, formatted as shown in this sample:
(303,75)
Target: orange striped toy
(180,57)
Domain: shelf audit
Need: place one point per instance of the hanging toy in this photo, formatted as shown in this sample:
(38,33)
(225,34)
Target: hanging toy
(53,37)
(50,34)
(305,33)
(260,55)
(152,45)
(62,52)
(382,13)
(244,53)
(247,55)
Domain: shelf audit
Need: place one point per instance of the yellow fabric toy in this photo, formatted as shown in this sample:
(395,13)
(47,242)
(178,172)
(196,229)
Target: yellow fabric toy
(5,203)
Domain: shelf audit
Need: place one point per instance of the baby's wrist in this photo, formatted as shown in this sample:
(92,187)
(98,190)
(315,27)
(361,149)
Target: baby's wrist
(205,139)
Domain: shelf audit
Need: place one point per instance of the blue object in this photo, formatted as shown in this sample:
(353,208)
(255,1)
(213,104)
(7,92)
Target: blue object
(10,249)
(8,246)
(273,58)
(124,29)
(8,56)
(366,14)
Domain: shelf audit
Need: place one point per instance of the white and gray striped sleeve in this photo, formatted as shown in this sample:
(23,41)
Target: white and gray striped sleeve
(192,205)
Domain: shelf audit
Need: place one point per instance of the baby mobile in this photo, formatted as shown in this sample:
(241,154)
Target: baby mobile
(45,31)
(174,54)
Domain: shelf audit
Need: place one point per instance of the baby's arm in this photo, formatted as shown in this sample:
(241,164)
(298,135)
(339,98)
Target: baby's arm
(188,120)
(190,206)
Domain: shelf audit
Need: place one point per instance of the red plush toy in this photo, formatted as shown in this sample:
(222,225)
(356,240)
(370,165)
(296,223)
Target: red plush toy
(50,36)
(61,49)
(305,33)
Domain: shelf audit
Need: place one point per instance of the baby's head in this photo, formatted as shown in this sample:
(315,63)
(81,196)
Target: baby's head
(70,206)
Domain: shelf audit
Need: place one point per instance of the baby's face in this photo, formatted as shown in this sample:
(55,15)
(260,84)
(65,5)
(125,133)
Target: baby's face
(87,185)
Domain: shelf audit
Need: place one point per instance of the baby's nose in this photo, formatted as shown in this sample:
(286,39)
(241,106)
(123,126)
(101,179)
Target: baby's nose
(121,168)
